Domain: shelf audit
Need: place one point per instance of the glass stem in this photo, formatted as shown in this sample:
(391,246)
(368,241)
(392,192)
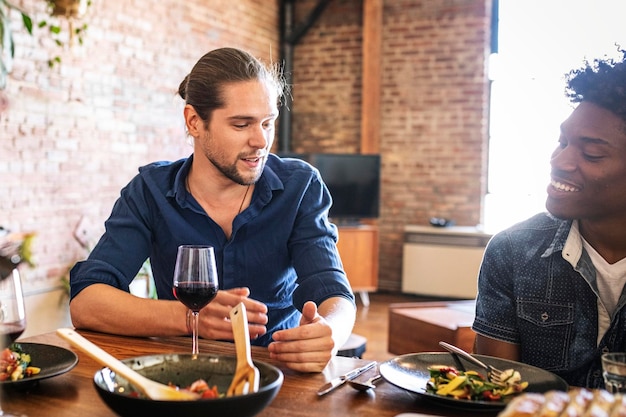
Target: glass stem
(194,349)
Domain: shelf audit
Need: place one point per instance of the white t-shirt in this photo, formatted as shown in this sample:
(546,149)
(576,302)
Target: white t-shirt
(610,278)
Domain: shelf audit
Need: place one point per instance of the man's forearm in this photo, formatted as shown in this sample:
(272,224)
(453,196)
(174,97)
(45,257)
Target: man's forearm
(341,315)
(103,308)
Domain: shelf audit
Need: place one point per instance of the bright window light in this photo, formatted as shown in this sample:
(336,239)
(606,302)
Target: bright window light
(539,42)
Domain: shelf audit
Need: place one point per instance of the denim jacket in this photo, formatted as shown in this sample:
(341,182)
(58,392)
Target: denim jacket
(529,294)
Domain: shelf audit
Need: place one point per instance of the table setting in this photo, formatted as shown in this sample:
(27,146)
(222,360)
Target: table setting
(70,372)
(79,390)
(74,393)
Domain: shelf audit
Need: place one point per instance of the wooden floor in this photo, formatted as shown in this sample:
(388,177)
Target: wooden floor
(372,322)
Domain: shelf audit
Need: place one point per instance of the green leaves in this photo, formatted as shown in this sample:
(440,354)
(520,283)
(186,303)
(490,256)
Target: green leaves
(7,46)
(28,22)
(55,29)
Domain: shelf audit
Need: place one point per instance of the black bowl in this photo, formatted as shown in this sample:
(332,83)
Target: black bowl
(182,370)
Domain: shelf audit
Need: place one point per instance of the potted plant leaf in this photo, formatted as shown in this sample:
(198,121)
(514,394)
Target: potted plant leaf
(59,11)
(7,47)
(71,11)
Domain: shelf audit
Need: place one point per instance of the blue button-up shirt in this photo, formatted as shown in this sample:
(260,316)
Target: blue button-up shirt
(282,247)
(531,295)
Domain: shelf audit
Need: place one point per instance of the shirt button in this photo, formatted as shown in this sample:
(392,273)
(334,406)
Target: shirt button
(605,349)
(597,374)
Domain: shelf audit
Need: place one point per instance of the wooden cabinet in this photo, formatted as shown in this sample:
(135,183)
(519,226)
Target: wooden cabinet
(358,247)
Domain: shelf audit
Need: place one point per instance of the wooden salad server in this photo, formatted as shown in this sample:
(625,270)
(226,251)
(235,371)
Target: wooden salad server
(246,378)
(151,389)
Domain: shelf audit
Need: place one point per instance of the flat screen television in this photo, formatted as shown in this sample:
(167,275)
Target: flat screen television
(353,181)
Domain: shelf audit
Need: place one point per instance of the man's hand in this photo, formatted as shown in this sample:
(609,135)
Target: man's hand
(215,321)
(307,348)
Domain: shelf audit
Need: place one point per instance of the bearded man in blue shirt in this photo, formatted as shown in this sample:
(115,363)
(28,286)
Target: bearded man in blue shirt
(551,289)
(266,217)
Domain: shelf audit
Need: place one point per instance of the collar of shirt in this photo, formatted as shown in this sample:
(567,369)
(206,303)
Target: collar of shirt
(560,238)
(573,248)
(268,183)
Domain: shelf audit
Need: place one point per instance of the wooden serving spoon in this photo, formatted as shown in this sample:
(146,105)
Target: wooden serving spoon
(151,389)
(246,378)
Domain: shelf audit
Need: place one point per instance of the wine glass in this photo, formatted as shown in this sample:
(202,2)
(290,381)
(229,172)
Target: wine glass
(195,282)
(12,311)
(12,314)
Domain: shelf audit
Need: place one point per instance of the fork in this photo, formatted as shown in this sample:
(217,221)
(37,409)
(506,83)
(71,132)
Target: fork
(246,378)
(493,374)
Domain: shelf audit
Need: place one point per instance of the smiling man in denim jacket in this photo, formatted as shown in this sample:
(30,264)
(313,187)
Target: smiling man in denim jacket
(550,289)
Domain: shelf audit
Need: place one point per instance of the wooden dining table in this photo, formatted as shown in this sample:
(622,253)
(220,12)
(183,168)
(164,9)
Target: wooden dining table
(73,394)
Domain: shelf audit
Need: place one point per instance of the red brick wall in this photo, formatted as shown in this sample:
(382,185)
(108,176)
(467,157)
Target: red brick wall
(74,135)
(327,79)
(433,134)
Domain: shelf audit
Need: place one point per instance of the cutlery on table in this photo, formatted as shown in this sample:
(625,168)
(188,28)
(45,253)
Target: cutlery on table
(340,380)
(494,374)
(246,378)
(151,389)
(365,385)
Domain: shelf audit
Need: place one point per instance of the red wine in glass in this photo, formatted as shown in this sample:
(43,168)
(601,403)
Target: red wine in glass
(10,332)
(194,294)
(195,282)
(12,310)
(12,315)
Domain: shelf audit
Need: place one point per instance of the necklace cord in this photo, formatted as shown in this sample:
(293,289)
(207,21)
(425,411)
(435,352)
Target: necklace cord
(244,199)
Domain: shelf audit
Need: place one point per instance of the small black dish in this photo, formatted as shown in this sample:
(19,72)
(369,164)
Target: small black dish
(53,361)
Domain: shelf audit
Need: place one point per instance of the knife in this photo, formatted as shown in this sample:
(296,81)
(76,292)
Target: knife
(340,380)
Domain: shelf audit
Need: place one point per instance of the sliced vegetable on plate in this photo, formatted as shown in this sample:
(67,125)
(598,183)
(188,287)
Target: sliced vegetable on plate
(15,364)
(448,381)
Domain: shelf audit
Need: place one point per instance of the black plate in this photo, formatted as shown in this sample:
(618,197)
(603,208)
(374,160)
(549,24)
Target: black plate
(410,372)
(52,360)
(182,370)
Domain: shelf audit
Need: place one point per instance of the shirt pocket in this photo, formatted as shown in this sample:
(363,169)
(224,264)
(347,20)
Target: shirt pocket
(546,329)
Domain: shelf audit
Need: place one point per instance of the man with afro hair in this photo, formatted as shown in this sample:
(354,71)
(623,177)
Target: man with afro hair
(551,288)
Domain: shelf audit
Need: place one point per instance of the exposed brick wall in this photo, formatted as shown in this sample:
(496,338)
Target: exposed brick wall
(434,108)
(74,135)
(434,129)
(327,79)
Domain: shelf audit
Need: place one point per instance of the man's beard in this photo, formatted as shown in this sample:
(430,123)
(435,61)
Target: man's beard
(231,172)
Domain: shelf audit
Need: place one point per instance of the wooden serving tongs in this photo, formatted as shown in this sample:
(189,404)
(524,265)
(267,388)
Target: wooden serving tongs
(151,389)
(246,378)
